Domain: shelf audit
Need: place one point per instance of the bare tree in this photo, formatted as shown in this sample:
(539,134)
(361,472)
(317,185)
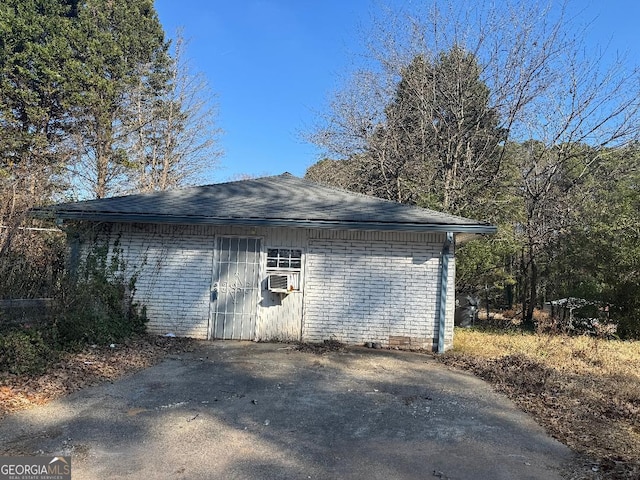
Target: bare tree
(513,48)
(585,113)
(173,138)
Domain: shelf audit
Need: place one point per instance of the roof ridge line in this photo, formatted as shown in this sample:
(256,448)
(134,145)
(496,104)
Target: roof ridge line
(393,202)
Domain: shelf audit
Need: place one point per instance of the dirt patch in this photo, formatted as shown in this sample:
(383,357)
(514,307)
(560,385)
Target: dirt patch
(321,348)
(89,367)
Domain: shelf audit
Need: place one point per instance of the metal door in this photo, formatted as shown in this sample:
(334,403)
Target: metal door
(236,288)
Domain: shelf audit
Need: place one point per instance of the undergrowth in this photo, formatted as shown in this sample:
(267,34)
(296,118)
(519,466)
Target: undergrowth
(94,305)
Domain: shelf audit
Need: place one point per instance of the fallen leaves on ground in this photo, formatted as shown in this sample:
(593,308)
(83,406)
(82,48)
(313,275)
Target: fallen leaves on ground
(91,366)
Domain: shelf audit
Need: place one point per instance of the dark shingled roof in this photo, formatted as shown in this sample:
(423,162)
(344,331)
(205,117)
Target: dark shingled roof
(282,200)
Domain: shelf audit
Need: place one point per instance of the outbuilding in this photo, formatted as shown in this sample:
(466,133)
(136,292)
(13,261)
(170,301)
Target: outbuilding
(283,258)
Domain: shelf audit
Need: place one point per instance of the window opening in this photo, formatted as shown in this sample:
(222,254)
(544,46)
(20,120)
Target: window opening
(284,259)
(284,266)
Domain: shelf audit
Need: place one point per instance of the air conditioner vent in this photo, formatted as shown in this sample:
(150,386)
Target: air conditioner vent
(284,282)
(278,282)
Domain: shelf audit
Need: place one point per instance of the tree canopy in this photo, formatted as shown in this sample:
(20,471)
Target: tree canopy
(95,101)
(75,77)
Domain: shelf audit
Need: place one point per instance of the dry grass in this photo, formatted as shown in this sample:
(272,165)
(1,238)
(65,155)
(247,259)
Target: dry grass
(585,391)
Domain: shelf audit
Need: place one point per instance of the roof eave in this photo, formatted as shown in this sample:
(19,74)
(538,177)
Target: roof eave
(265,222)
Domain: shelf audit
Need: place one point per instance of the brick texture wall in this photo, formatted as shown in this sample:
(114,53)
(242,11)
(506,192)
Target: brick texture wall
(374,291)
(173,265)
(356,286)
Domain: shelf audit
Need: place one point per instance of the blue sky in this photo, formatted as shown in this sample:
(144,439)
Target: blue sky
(274,63)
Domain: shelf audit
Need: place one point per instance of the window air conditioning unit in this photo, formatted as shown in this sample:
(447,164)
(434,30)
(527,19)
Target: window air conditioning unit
(284,282)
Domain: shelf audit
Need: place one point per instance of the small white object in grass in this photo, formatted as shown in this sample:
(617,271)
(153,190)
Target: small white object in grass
(113,345)
(170,334)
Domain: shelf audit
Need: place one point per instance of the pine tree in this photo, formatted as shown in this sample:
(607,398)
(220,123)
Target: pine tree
(442,132)
(37,75)
(121,44)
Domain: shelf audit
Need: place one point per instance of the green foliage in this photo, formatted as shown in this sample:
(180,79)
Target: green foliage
(442,117)
(122,48)
(97,301)
(437,144)
(36,64)
(626,311)
(441,146)
(350,174)
(598,258)
(67,69)
(441,134)
(24,352)
(94,103)
(567,211)
(512,123)
(485,267)
(94,305)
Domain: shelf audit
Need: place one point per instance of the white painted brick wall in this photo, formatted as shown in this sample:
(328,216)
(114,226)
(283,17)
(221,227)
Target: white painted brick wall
(174,267)
(360,291)
(356,287)
(174,264)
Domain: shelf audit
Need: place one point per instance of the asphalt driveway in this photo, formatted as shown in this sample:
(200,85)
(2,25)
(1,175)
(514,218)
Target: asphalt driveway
(240,410)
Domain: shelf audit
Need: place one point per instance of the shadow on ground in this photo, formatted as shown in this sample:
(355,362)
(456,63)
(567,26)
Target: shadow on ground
(240,410)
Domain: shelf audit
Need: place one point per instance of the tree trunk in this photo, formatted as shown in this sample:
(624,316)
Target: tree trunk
(523,280)
(528,323)
(103,150)
(101,176)
(509,296)
(486,299)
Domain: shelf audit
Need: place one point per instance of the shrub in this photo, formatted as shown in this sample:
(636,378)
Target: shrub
(627,314)
(32,265)
(96,302)
(24,352)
